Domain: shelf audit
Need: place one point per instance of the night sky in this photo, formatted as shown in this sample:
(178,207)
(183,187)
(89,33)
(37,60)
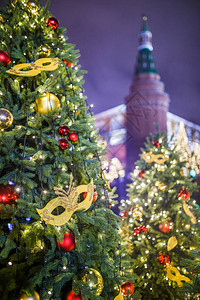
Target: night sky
(105,32)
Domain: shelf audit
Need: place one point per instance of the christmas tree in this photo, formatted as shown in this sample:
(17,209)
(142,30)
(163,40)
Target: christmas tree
(59,238)
(160,220)
(193,265)
(182,145)
(195,161)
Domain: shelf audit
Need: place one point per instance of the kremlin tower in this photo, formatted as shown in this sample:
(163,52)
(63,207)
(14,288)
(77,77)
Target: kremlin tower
(126,126)
(147,103)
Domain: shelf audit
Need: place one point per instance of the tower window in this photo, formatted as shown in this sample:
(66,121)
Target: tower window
(144,64)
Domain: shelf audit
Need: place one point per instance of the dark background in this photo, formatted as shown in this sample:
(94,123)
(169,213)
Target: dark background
(105,32)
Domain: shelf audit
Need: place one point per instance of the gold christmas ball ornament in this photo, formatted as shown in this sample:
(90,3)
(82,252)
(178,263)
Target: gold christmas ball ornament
(137,212)
(187,226)
(6,118)
(94,279)
(44,50)
(32,6)
(46,103)
(35,296)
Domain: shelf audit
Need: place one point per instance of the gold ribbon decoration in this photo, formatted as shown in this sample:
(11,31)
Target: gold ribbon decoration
(69,201)
(192,248)
(172,242)
(175,276)
(189,213)
(35,68)
(107,184)
(161,186)
(157,158)
(125,232)
(119,296)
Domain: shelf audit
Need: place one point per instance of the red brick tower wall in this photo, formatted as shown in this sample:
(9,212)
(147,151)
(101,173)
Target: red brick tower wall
(147,102)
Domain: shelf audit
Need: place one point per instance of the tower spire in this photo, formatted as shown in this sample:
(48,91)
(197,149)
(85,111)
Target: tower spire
(144,25)
(145,62)
(147,102)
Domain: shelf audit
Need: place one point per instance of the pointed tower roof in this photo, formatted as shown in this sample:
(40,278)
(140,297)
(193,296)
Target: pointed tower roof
(147,103)
(145,61)
(144,25)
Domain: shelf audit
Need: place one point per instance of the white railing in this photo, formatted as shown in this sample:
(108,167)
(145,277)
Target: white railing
(112,121)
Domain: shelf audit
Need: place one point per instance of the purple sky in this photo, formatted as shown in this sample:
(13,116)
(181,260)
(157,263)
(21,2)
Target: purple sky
(106,31)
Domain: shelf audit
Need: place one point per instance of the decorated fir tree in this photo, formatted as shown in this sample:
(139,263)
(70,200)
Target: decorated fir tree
(192,264)
(58,236)
(160,220)
(182,145)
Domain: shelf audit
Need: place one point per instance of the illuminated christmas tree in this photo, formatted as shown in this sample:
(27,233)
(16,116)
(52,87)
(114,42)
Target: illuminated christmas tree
(59,237)
(160,219)
(195,161)
(191,158)
(182,145)
(192,288)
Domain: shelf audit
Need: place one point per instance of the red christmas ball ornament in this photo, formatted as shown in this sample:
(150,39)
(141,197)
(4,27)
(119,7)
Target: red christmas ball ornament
(68,243)
(163,259)
(166,227)
(136,231)
(63,144)
(84,194)
(144,229)
(72,296)
(141,174)
(184,194)
(7,194)
(95,196)
(127,288)
(68,64)
(73,136)
(140,229)
(63,130)
(157,144)
(53,22)
(4,58)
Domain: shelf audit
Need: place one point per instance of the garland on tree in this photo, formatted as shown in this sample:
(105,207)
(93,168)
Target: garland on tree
(160,201)
(49,156)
